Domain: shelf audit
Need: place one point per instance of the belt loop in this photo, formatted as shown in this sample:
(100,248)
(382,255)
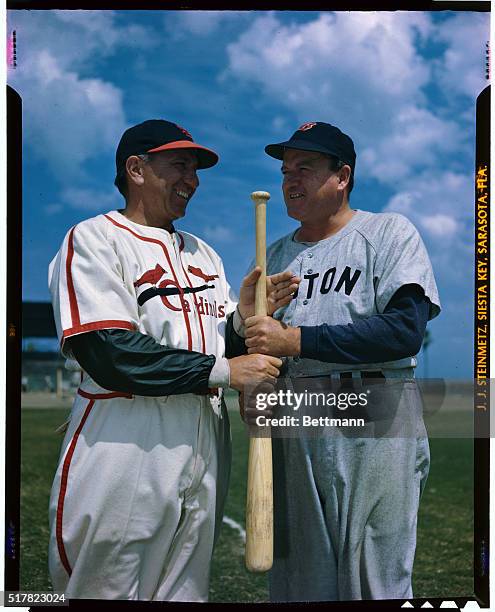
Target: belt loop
(357,379)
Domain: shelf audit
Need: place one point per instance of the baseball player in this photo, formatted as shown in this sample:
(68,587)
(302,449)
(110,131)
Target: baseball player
(147,315)
(366,294)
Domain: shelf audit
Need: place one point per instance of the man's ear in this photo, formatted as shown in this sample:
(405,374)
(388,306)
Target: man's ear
(134,167)
(344,177)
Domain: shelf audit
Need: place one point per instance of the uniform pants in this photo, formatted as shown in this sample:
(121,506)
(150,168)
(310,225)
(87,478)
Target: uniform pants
(345,509)
(138,498)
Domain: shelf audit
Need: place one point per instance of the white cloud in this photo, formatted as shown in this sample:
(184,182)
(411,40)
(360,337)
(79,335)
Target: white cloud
(70,117)
(345,68)
(280,124)
(366,73)
(76,36)
(198,23)
(91,200)
(53,209)
(415,139)
(440,204)
(218,233)
(446,193)
(439,225)
(461,69)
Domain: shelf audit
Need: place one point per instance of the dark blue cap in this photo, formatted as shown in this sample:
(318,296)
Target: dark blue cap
(320,137)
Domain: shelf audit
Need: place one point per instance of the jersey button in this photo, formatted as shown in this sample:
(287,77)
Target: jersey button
(310,271)
(310,255)
(305,302)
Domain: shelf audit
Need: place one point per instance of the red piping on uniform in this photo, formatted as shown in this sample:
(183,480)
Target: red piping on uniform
(63,489)
(74,310)
(109,395)
(156,241)
(203,341)
(97,325)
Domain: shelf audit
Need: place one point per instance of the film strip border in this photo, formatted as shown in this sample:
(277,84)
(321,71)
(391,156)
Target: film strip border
(482,347)
(487,67)
(12,50)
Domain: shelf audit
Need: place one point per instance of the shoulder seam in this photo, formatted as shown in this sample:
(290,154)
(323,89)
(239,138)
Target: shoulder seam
(367,238)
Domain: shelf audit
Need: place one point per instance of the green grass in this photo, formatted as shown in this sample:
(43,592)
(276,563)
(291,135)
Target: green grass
(444,554)
(39,455)
(443,565)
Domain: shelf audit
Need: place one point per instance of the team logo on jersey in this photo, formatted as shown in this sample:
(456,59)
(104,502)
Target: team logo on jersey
(168,287)
(200,274)
(306,126)
(151,277)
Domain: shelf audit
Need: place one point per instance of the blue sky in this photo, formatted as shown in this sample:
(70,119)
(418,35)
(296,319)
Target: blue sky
(403,85)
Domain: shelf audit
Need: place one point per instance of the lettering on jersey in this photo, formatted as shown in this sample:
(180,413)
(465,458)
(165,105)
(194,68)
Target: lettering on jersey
(347,281)
(168,287)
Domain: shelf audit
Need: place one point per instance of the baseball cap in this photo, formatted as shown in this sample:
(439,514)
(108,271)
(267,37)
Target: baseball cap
(320,137)
(159,135)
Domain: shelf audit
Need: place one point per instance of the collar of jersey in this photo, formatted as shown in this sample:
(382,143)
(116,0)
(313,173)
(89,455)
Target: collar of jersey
(348,227)
(145,230)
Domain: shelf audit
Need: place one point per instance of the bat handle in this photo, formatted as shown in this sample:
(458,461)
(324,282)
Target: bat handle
(260,199)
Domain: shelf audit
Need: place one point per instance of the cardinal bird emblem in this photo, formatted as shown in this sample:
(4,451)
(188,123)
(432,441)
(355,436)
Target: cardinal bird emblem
(166,287)
(151,276)
(200,274)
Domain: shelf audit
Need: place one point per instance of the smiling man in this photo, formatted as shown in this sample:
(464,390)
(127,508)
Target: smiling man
(145,312)
(366,294)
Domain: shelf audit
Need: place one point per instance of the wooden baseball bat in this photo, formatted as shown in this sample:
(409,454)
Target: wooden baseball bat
(259,505)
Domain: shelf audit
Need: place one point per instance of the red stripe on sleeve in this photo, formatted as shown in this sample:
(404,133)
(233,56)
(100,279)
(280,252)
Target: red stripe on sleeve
(74,310)
(72,331)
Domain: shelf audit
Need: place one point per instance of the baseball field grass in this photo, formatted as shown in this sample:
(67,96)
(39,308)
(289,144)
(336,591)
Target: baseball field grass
(443,566)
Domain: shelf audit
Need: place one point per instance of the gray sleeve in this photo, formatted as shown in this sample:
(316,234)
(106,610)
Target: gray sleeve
(402,259)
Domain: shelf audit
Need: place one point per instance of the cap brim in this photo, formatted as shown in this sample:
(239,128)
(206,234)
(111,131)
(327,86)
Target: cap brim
(206,157)
(277,150)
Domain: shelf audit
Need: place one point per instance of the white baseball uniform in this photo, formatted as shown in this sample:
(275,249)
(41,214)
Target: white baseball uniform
(139,491)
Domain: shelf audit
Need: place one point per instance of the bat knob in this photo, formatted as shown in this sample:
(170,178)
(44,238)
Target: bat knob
(260,195)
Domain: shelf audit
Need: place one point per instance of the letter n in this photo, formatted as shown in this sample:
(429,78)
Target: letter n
(347,280)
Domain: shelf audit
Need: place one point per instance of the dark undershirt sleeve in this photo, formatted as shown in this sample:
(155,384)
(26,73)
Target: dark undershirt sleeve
(395,334)
(131,362)
(234,344)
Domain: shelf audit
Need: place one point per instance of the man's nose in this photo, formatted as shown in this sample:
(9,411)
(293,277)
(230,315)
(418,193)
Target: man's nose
(290,178)
(191,177)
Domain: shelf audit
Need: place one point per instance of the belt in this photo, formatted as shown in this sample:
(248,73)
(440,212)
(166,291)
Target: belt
(209,391)
(363,374)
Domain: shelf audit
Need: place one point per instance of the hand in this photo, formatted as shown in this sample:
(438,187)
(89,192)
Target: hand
(249,411)
(253,370)
(279,291)
(268,336)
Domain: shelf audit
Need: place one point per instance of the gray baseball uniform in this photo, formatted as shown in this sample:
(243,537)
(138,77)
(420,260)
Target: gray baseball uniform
(354,500)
